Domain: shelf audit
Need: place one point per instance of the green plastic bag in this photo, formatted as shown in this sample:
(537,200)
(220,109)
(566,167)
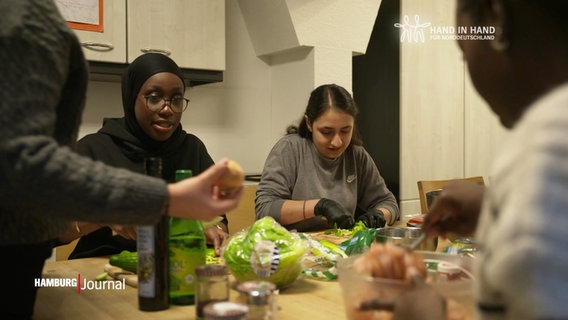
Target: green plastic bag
(359,243)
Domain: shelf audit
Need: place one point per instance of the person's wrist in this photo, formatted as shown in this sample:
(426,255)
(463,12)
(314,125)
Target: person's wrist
(387,216)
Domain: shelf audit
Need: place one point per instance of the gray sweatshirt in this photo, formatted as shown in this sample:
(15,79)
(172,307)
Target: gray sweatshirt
(522,263)
(43,183)
(294,170)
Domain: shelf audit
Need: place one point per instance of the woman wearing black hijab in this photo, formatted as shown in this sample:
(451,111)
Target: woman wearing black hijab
(153,100)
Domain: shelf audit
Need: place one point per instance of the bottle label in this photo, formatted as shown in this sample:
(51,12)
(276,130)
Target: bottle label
(186,253)
(146,262)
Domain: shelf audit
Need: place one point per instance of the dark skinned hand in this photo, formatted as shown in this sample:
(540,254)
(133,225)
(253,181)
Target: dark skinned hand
(456,209)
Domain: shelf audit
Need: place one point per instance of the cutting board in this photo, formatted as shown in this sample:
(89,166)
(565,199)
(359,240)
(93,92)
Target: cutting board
(117,273)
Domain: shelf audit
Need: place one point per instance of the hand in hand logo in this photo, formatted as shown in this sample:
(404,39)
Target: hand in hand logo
(412,32)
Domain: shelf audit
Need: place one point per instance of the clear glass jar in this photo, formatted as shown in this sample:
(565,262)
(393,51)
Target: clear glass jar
(212,285)
(260,297)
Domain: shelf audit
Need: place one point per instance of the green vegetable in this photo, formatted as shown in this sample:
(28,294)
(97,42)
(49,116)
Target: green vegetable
(129,260)
(333,248)
(359,225)
(266,251)
(101,277)
(210,257)
(126,260)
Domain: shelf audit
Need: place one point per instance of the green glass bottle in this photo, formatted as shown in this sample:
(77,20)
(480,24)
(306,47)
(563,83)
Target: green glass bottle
(187,247)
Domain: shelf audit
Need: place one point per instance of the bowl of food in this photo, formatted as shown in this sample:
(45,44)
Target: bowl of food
(405,236)
(378,276)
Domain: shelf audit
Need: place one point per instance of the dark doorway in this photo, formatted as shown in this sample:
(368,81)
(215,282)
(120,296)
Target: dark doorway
(376,88)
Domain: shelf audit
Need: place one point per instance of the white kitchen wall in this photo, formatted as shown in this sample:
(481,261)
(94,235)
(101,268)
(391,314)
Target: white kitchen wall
(447,130)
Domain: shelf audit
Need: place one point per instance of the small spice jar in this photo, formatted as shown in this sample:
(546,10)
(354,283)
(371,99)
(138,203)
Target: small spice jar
(212,285)
(225,311)
(260,297)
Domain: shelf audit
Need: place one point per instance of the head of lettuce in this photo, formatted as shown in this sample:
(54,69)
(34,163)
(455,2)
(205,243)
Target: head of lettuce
(265,251)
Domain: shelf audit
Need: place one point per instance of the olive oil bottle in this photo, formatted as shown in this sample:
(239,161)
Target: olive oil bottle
(153,260)
(187,247)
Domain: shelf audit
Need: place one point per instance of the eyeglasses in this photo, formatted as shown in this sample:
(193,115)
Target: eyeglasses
(157,103)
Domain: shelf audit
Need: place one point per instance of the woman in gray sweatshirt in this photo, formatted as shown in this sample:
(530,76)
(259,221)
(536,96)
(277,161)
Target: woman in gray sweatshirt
(319,175)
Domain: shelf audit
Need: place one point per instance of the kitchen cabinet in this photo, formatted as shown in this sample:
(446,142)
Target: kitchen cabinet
(109,45)
(192,32)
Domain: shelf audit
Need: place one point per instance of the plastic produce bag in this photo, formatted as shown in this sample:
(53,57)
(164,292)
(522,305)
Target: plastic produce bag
(265,251)
(360,242)
(322,258)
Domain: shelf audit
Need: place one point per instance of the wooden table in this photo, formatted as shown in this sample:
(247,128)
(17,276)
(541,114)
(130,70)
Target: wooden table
(304,299)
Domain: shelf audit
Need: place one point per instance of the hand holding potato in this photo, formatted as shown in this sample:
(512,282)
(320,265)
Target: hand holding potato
(391,262)
(233,179)
(200,197)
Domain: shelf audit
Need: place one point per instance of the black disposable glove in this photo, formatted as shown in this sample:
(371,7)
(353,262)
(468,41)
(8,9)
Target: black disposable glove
(334,213)
(373,218)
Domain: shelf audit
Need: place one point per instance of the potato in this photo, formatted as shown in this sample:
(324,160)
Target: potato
(232,179)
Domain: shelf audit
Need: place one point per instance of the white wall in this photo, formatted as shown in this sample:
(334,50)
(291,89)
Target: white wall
(447,130)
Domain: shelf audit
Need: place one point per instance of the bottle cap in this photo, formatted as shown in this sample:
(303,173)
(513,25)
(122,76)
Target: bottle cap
(247,286)
(183,174)
(211,270)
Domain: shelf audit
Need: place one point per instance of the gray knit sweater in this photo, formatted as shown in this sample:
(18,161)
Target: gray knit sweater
(43,183)
(294,170)
(522,264)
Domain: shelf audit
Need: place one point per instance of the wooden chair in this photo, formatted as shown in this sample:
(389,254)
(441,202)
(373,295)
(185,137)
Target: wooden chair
(243,215)
(62,252)
(425,186)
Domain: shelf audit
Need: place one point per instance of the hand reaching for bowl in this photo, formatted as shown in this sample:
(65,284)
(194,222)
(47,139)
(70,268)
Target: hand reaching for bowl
(390,261)
(456,209)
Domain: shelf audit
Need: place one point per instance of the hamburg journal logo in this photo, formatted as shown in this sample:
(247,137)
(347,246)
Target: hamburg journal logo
(80,286)
(416,31)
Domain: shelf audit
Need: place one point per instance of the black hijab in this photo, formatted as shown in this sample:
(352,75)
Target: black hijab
(137,73)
